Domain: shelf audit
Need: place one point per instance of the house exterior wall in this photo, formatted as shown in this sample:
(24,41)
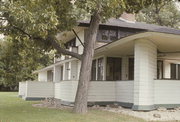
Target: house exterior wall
(66,90)
(39,89)
(99,91)
(124,91)
(166,92)
(145,73)
(42,76)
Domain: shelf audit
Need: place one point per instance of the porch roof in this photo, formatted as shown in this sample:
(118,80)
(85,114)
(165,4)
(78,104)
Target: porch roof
(166,43)
(50,67)
(135,25)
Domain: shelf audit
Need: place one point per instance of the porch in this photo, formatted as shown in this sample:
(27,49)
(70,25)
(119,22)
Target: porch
(152,61)
(166,92)
(140,71)
(36,90)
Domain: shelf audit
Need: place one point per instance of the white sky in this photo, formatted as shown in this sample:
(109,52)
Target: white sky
(1,36)
(178,5)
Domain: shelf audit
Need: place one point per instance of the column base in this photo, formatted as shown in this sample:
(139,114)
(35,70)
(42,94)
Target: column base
(143,107)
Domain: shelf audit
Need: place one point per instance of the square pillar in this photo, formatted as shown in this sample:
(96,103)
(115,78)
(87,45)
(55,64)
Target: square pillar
(145,73)
(56,74)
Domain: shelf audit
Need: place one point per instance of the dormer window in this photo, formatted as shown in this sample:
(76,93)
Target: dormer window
(71,43)
(106,35)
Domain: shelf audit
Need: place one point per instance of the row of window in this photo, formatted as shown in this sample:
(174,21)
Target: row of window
(106,35)
(113,69)
(174,71)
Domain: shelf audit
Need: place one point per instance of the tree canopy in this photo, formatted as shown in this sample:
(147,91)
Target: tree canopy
(165,14)
(18,59)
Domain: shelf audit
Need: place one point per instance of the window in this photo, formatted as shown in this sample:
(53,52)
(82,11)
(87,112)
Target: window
(113,35)
(61,75)
(93,70)
(71,43)
(159,69)
(50,75)
(97,69)
(113,69)
(175,71)
(178,72)
(100,69)
(107,35)
(131,69)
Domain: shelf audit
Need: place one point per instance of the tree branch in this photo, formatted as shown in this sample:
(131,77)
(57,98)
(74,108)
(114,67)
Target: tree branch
(64,51)
(53,42)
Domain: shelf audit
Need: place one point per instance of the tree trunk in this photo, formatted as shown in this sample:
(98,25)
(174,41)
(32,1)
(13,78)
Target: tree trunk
(86,64)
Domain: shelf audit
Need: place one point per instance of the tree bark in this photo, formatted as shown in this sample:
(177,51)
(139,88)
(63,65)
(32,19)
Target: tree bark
(85,72)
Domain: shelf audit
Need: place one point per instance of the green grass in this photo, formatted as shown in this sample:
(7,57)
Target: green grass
(14,109)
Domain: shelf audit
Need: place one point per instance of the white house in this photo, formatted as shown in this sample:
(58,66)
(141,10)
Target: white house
(135,65)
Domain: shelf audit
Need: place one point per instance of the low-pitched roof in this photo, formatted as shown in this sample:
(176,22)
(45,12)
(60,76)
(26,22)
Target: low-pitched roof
(135,25)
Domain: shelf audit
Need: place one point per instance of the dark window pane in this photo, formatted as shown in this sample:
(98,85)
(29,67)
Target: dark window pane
(49,75)
(131,69)
(61,77)
(117,69)
(113,69)
(159,69)
(109,69)
(178,71)
(113,35)
(93,70)
(71,43)
(100,69)
(106,35)
(173,71)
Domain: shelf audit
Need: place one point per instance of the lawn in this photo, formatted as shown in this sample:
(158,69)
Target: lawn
(14,109)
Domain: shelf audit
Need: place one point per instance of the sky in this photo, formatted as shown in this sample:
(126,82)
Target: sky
(178,5)
(1,36)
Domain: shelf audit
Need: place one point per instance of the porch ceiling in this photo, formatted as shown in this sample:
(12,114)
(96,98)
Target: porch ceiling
(166,43)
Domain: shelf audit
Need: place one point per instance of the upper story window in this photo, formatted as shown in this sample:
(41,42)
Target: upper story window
(71,43)
(106,35)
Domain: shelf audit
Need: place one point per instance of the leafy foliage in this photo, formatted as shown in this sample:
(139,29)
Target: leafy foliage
(164,14)
(18,59)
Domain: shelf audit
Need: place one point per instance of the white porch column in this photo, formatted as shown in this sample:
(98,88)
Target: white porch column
(145,73)
(56,74)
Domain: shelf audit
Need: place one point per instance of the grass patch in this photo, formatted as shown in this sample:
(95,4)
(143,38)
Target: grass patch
(14,109)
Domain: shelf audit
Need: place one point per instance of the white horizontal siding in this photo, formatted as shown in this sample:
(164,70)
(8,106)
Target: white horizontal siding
(98,91)
(40,89)
(166,91)
(124,91)
(101,91)
(66,90)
